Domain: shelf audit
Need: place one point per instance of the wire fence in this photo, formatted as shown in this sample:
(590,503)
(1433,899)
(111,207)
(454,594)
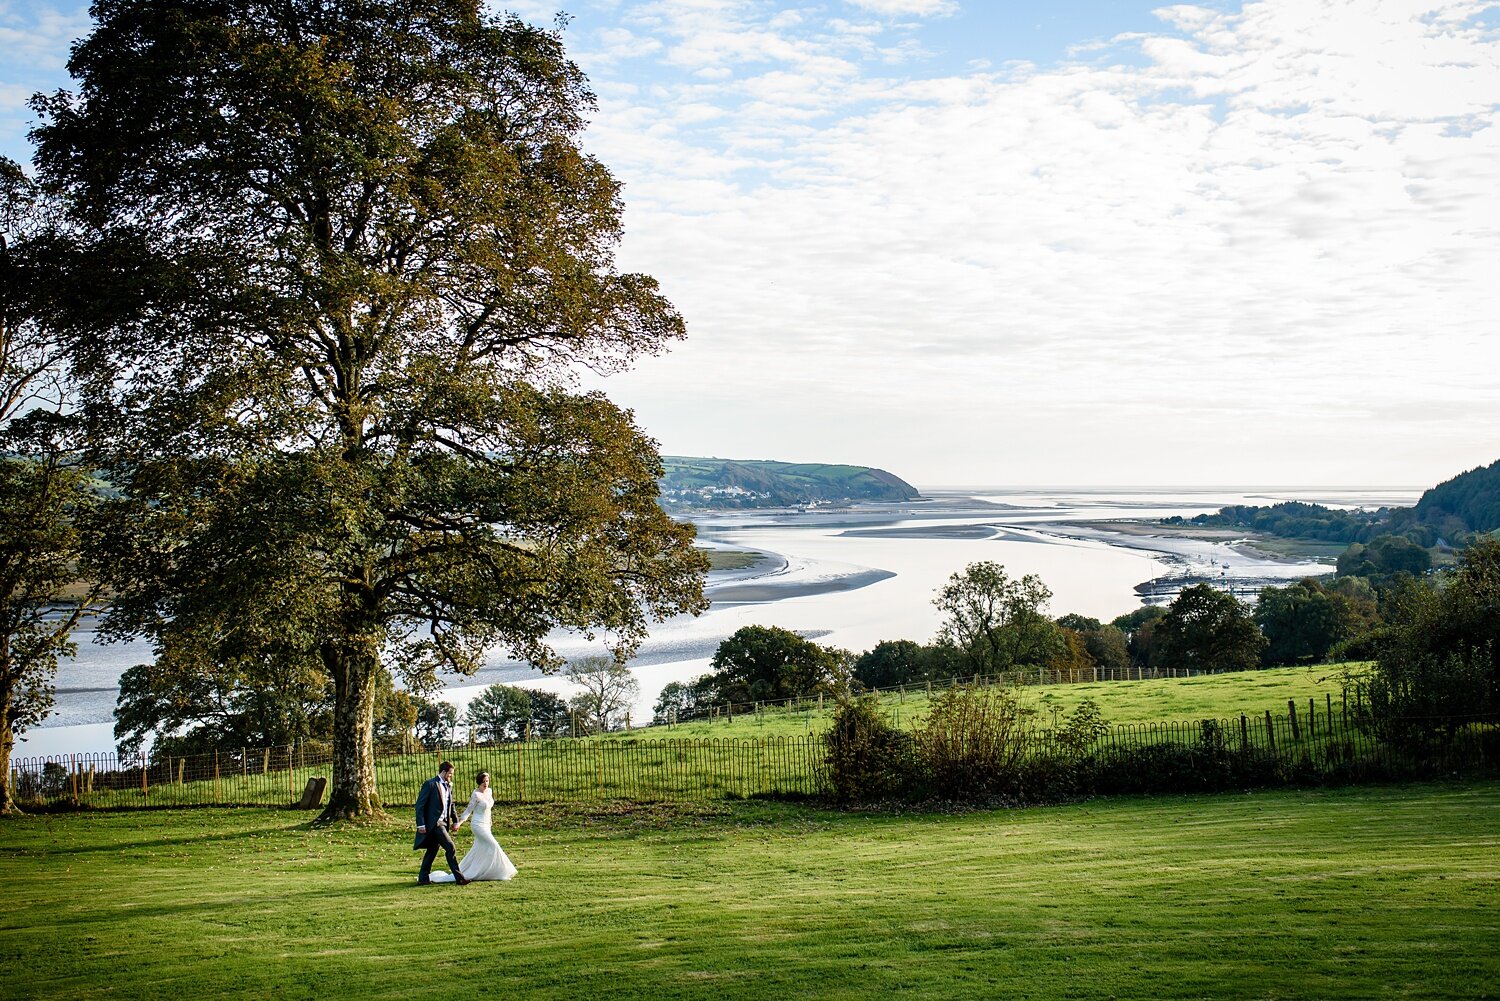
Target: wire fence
(1312,743)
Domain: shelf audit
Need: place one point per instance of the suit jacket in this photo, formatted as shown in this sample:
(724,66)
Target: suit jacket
(431,813)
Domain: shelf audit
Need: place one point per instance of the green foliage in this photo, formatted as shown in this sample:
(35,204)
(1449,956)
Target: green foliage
(971,743)
(683,700)
(45,496)
(1468,503)
(996,623)
(508,712)
(1206,629)
(1108,647)
(868,759)
(328,263)
(1442,658)
(1083,728)
(723,483)
(769,664)
(1290,519)
(902,662)
(1303,622)
(1385,555)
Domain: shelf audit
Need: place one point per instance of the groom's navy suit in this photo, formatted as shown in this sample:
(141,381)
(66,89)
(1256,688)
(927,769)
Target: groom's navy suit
(435,812)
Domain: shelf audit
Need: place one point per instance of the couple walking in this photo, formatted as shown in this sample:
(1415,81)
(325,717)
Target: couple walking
(435,821)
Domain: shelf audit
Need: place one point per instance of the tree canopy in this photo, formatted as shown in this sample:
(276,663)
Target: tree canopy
(45,494)
(1206,629)
(341,261)
(997,623)
(768,664)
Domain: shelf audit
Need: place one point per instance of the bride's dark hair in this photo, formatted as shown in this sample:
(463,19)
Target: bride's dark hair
(479,779)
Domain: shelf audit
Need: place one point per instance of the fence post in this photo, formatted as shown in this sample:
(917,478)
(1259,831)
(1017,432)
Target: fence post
(521,766)
(1270,731)
(73,775)
(217,790)
(145,794)
(1244,732)
(1291,712)
(291,793)
(1312,721)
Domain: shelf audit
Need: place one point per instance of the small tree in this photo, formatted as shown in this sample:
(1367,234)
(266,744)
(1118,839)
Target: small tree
(768,664)
(609,692)
(1302,622)
(44,493)
(683,700)
(899,662)
(1206,629)
(995,622)
(498,713)
(436,721)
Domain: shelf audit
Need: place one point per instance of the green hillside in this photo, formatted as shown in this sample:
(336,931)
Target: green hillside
(748,483)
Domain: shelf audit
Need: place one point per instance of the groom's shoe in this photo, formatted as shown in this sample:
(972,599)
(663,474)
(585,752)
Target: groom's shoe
(424,882)
(461,880)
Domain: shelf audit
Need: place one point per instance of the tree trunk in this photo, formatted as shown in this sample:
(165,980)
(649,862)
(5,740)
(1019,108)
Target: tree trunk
(7,744)
(352,793)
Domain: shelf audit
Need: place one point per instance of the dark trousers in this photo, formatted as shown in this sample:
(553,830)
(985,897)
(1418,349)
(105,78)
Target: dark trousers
(438,838)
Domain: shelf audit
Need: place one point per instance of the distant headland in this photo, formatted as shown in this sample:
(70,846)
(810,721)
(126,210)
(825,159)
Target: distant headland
(694,482)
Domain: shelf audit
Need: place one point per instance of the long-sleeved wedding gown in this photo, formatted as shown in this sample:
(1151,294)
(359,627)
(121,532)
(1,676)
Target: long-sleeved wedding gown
(486,859)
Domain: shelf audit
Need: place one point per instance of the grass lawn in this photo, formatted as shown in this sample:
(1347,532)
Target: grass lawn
(1380,892)
(1154,700)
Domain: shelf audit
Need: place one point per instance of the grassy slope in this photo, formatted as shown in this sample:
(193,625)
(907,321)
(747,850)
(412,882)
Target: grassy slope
(1359,893)
(1157,700)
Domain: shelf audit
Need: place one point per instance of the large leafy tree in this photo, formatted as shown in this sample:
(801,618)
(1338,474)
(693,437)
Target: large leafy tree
(43,490)
(340,259)
(1303,621)
(769,663)
(1206,629)
(997,622)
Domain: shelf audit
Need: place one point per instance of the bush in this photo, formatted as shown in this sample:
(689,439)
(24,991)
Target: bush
(868,758)
(973,741)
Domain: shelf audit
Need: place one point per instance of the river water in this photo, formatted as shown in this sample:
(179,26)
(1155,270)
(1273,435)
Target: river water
(848,578)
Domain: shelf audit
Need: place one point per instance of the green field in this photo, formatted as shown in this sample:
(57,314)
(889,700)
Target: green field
(1375,892)
(1158,700)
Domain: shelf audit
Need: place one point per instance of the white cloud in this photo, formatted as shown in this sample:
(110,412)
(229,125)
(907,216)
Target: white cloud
(908,8)
(1236,261)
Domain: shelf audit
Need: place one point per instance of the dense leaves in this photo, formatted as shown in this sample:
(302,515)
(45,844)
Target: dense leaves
(996,623)
(45,495)
(1442,659)
(1206,629)
(769,664)
(340,258)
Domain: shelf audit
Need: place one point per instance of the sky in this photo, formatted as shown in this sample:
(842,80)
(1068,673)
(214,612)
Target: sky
(1082,243)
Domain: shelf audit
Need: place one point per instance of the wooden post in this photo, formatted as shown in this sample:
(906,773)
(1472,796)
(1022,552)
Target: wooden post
(1244,732)
(73,775)
(1270,731)
(1328,698)
(145,793)
(599,757)
(1312,723)
(245,761)
(217,790)
(181,766)
(1291,712)
(265,762)
(291,792)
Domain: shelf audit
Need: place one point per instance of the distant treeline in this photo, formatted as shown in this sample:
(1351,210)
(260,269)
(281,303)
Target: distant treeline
(1453,513)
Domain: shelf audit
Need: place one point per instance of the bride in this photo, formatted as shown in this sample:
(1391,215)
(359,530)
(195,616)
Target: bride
(486,859)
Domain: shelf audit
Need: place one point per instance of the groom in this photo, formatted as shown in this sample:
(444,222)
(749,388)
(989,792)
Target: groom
(436,816)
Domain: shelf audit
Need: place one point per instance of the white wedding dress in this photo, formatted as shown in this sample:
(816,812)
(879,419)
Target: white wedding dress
(486,859)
